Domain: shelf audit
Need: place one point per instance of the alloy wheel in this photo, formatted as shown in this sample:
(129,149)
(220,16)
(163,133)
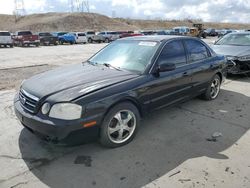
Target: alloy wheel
(122,126)
(215,88)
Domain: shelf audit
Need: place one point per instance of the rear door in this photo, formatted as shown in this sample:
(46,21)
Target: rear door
(170,87)
(201,62)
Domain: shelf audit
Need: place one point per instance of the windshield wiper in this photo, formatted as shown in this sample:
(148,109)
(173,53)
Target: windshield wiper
(111,66)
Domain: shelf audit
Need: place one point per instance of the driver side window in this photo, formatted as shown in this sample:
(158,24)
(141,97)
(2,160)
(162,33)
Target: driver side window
(173,52)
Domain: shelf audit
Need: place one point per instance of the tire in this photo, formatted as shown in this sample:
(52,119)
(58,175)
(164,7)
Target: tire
(121,135)
(106,40)
(90,40)
(37,44)
(214,85)
(11,45)
(61,42)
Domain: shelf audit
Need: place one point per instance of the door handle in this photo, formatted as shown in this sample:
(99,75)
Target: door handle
(185,74)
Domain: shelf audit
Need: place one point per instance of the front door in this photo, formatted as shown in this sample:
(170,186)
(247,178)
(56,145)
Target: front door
(173,86)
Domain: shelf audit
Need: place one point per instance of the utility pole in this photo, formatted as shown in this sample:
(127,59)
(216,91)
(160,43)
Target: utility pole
(86,4)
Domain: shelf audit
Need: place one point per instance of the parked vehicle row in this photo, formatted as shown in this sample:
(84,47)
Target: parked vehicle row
(27,38)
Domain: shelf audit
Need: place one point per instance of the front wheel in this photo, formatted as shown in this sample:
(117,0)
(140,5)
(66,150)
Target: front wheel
(120,125)
(213,89)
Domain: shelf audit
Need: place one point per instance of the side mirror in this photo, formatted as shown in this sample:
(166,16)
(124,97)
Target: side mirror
(166,67)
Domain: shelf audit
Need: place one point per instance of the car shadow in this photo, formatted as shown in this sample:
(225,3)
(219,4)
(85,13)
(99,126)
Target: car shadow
(167,138)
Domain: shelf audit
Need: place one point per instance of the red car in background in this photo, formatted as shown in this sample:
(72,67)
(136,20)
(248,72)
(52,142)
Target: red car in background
(26,38)
(124,34)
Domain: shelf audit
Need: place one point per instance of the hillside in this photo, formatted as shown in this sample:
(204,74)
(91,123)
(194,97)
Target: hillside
(91,21)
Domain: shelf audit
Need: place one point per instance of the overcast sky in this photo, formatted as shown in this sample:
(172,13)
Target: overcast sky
(207,10)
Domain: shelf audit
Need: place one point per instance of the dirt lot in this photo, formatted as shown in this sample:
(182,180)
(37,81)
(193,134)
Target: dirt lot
(171,149)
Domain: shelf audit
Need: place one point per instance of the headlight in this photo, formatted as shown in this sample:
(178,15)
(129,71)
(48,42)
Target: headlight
(66,111)
(244,58)
(45,108)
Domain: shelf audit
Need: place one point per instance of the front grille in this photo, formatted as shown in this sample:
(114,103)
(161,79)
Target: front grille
(28,101)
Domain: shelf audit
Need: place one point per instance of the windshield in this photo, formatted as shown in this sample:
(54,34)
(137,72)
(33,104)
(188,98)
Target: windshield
(128,55)
(242,39)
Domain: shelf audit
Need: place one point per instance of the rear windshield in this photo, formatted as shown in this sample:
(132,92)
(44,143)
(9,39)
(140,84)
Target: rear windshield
(91,33)
(45,34)
(4,34)
(81,34)
(24,33)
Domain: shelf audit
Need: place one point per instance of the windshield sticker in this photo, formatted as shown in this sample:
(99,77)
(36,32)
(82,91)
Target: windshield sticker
(147,43)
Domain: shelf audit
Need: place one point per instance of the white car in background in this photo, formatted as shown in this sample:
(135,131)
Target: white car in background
(80,38)
(6,39)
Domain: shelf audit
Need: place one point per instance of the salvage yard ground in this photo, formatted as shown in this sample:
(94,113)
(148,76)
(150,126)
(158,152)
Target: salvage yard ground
(170,150)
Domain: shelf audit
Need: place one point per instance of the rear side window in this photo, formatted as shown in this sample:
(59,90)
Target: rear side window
(4,34)
(196,50)
(173,52)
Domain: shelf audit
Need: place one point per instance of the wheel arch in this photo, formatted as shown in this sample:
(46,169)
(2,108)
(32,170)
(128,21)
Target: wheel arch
(220,75)
(128,99)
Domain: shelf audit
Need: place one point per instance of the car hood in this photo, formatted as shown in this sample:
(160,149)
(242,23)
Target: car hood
(230,50)
(71,82)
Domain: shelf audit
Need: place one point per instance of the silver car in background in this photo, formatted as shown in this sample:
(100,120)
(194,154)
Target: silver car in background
(92,37)
(6,39)
(109,36)
(236,47)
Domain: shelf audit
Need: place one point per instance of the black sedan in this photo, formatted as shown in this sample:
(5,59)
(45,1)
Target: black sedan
(105,97)
(236,46)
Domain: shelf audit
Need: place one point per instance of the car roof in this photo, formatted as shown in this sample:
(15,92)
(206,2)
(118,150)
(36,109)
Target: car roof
(5,31)
(241,32)
(157,38)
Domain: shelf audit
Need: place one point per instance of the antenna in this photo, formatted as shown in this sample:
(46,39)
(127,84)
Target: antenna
(19,9)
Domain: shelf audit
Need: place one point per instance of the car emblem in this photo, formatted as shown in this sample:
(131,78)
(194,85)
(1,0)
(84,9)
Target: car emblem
(23,100)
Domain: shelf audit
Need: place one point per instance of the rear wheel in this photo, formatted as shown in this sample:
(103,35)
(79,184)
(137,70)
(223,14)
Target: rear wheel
(120,125)
(90,40)
(106,40)
(11,45)
(213,89)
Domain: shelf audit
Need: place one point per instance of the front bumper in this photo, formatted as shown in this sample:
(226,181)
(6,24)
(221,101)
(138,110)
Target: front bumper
(31,42)
(238,67)
(55,131)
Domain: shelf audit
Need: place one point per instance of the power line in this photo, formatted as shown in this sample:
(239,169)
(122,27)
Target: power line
(19,9)
(79,5)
